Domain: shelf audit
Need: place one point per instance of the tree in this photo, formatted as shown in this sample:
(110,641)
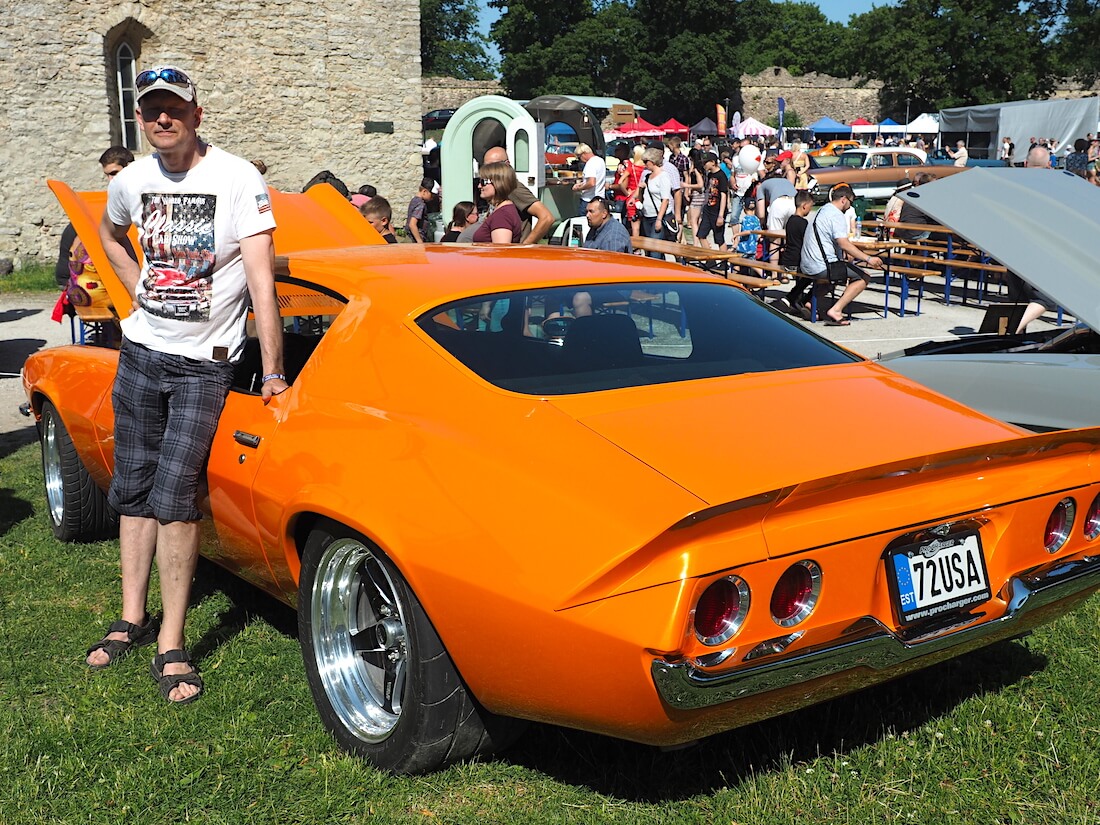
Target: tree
(795,36)
(526,34)
(1078,51)
(450,43)
(941,53)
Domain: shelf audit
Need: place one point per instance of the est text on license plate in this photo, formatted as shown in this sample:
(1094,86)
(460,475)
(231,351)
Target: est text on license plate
(937,576)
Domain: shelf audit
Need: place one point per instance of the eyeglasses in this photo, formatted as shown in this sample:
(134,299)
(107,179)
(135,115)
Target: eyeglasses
(173,76)
(485,182)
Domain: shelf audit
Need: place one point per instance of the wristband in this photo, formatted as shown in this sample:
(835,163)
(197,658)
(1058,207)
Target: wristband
(272,376)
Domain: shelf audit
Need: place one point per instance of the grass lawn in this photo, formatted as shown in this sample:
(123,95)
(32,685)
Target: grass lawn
(32,278)
(1006,735)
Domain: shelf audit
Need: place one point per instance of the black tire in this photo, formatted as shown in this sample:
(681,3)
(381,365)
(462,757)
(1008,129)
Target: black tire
(381,678)
(77,508)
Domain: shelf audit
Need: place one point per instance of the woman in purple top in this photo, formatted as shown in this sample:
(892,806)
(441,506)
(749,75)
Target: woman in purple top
(503,225)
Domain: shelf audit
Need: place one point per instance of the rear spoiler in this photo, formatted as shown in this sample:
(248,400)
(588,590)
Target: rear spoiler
(820,512)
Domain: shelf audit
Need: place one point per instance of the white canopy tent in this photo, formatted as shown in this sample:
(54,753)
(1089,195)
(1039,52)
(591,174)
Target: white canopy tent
(925,124)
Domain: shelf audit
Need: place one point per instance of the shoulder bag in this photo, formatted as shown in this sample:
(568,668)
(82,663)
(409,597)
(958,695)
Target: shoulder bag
(834,270)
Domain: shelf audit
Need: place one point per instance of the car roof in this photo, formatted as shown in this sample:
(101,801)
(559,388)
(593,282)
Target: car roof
(408,278)
(1042,224)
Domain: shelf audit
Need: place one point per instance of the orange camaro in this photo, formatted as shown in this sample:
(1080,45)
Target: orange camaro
(533,483)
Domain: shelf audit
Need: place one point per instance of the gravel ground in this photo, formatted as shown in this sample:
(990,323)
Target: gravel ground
(25,328)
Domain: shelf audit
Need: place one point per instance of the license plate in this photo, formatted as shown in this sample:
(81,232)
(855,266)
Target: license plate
(941,575)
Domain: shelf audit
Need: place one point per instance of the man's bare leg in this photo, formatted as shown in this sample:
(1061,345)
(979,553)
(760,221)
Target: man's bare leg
(1032,312)
(137,539)
(836,311)
(177,555)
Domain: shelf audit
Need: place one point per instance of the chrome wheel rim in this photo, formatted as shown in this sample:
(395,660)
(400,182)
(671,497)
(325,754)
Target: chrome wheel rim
(51,470)
(359,636)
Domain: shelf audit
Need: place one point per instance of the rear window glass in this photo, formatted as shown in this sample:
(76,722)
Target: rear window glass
(599,337)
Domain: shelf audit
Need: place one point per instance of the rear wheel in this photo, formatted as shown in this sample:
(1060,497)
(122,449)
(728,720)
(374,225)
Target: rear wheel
(77,508)
(381,678)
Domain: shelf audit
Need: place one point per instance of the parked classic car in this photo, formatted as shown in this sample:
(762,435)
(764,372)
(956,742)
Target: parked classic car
(1041,380)
(835,147)
(939,157)
(573,517)
(875,173)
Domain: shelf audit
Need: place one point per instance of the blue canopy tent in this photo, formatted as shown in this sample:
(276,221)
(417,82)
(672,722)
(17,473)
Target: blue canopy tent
(828,126)
(891,127)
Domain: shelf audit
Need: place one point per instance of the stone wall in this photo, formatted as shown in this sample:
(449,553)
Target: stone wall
(811,95)
(450,92)
(290,86)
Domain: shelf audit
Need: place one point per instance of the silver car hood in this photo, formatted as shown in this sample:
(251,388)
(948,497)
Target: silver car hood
(1044,225)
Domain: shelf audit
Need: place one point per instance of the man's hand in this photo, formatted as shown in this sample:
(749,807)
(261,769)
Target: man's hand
(273,387)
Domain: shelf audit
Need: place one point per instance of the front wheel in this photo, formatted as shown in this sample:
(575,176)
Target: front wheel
(381,678)
(78,509)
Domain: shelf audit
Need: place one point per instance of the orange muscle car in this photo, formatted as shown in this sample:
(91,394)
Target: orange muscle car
(531,483)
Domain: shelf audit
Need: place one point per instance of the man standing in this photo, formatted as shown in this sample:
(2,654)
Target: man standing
(604,232)
(960,155)
(594,176)
(826,242)
(1020,290)
(205,225)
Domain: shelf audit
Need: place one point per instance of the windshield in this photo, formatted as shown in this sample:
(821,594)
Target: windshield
(853,159)
(606,336)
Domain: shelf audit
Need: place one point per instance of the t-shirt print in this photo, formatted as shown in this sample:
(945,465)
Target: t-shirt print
(178,241)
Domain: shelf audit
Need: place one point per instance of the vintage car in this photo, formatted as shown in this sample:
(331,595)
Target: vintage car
(939,157)
(531,483)
(835,147)
(875,173)
(1043,379)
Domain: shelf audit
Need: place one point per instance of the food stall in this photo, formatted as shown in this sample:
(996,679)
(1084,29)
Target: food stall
(549,170)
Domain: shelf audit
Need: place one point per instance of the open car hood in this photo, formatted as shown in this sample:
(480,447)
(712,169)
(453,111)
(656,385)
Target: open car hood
(319,218)
(1044,225)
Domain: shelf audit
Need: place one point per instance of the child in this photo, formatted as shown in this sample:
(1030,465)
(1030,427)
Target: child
(791,256)
(378,213)
(418,210)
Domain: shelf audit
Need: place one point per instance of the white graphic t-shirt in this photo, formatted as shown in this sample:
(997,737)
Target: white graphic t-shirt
(192,291)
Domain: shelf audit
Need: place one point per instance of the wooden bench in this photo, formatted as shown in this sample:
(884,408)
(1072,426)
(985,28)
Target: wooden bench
(96,322)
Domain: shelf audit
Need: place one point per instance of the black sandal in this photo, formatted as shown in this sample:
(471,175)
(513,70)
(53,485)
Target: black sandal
(167,684)
(138,635)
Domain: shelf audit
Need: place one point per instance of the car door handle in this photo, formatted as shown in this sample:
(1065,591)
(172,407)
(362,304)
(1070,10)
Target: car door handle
(246,439)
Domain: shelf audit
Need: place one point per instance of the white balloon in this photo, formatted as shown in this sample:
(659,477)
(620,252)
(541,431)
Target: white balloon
(750,159)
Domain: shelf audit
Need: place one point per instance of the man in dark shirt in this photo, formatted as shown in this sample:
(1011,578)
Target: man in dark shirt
(712,219)
(604,232)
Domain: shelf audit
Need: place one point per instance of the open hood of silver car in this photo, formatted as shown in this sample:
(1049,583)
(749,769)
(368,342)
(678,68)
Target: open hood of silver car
(1042,224)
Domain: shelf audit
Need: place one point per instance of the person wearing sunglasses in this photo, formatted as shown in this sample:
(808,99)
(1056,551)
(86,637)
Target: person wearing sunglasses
(204,222)
(504,224)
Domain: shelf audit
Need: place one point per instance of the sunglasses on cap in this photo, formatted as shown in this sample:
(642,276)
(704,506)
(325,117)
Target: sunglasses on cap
(173,76)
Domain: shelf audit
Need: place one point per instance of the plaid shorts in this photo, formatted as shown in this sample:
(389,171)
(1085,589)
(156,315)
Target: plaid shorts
(166,412)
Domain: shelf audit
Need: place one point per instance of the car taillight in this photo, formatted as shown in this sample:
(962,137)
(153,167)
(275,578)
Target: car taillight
(1092,519)
(1059,525)
(795,594)
(721,610)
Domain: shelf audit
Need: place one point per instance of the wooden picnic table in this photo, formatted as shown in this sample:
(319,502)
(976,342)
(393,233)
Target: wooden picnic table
(697,255)
(957,247)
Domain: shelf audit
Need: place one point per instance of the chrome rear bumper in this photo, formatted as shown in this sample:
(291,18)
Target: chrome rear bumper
(871,645)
